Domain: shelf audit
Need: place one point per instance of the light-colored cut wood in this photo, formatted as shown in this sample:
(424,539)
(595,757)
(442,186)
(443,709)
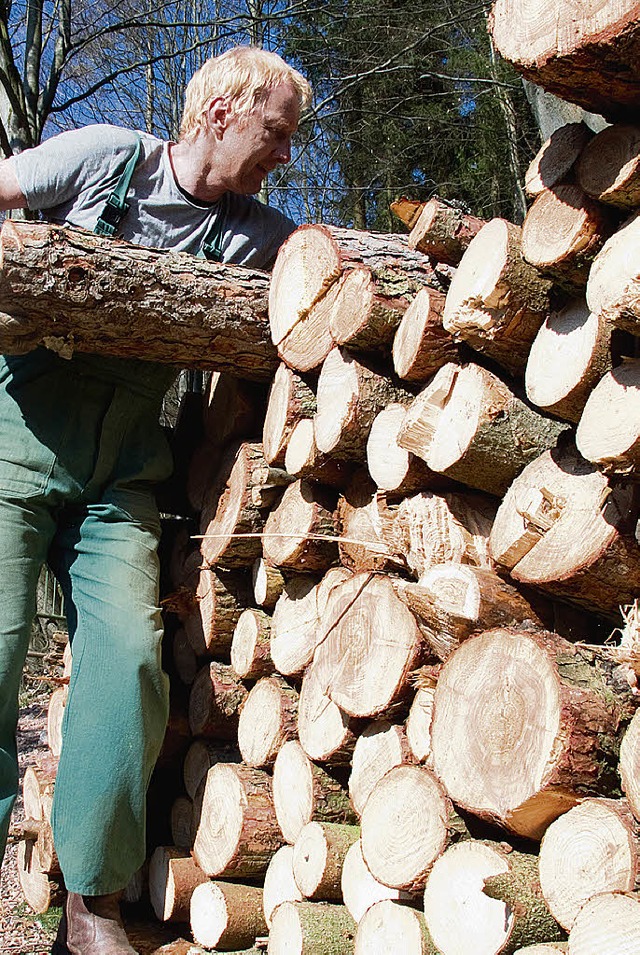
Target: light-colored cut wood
(608,924)
(173,876)
(609,167)
(250,653)
(396,471)
(290,399)
(220,597)
(381,746)
(267,720)
(307,928)
(629,767)
(388,928)
(613,288)
(608,432)
(327,733)
(300,532)
(359,888)
(443,231)
(215,700)
(267,582)
(227,915)
(421,345)
(556,157)
(318,857)
(279,884)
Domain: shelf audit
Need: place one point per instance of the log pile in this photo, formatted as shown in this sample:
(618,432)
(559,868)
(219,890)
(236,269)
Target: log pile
(399,724)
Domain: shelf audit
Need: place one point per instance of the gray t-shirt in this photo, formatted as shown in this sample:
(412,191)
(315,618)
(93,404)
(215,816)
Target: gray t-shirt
(70,176)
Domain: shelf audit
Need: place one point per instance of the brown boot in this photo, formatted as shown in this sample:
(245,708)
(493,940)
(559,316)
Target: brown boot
(92,926)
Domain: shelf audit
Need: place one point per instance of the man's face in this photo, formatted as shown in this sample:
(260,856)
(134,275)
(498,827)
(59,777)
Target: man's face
(255,143)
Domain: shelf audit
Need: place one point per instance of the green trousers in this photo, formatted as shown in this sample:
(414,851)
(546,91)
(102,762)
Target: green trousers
(80,451)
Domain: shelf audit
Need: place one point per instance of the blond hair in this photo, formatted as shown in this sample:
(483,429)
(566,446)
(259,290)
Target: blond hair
(244,76)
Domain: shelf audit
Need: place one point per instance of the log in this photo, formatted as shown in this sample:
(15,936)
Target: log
(173,876)
(381,746)
(407,822)
(304,792)
(75,291)
(608,432)
(372,644)
(267,582)
(395,470)
(238,831)
(609,166)
(556,158)
(220,598)
(279,884)
(520,750)
(589,57)
(40,891)
(318,856)
(407,210)
(563,526)
(593,848)
(359,888)
(431,529)
(421,345)
(388,927)
(453,601)
(366,523)
(250,646)
(629,766)
(55,715)
(613,289)
(443,231)
(543,948)
(327,733)
(350,395)
(290,400)
(185,660)
(500,887)
(182,822)
(312,291)
(226,915)
(267,720)
(418,725)
(231,523)
(200,757)
(608,924)
(467,424)
(232,408)
(497,301)
(569,355)
(307,510)
(563,232)
(215,702)
(303,459)
(308,928)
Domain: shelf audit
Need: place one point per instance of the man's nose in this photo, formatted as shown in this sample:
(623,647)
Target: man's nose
(283,150)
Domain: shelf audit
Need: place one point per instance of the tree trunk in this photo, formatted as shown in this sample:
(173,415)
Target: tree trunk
(629,767)
(608,433)
(227,915)
(290,400)
(468,425)
(421,345)
(613,289)
(563,232)
(570,354)
(231,409)
(300,532)
(388,927)
(279,884)
(510,692)
(173,876)
(311,928)
(215,701)
(609,167)
(556,158)
(267,582)
(363,673)
(327,733)
(418,725)
(267,720)
(72,290)
(366,523)
(219,600)
(395,470)
(563,527)
(443,231)
(303,459)
(359,888)
(500,887)
(608,924)
(182,822)
(304,792)
(238,831)
(589,57)
(318,857)
(593,848)
(380,747)
(497,301)
(40,891)
(407,210)
(200,757)
(407,822)
(250,647)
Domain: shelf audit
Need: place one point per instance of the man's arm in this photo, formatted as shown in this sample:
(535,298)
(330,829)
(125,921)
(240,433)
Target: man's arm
(11,195)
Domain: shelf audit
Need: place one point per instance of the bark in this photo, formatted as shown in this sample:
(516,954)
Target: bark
(219,600)
(304,792)
(232,408)
(589,57)
(308,928)
(72,290)
(593,848)
(318,857)
(523,748)
(215,701)
(467,424)
(608,432)
(227,915)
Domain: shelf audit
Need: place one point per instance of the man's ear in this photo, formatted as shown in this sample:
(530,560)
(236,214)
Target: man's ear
(218,114)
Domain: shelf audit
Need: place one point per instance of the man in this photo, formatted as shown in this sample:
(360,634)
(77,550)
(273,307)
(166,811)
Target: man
(80,448)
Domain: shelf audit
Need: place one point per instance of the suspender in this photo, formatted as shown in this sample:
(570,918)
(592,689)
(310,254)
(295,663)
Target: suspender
(116,208)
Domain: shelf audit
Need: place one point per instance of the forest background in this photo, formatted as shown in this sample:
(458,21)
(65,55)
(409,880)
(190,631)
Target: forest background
(410,95)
